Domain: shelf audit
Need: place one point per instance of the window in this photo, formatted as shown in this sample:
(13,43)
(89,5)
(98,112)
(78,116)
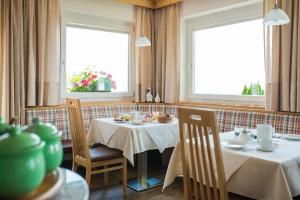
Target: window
(229,59)
(100,55)
(97,59)
(226,52)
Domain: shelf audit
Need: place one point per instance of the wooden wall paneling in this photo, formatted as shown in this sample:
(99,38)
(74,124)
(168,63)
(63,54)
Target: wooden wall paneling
(154,4)
(144,3)
(162,3)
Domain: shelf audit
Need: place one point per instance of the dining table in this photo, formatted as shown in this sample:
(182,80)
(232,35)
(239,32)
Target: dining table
(135,139)
(74,187)
(251,172)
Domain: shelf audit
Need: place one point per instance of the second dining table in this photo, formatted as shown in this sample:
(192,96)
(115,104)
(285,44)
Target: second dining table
(253,173)
(135,139)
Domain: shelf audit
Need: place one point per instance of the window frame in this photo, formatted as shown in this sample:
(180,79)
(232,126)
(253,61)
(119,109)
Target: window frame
(221,17)
(71,19)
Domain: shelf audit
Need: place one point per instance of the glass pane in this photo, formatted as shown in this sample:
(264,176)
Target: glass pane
(229,57)
(96,60)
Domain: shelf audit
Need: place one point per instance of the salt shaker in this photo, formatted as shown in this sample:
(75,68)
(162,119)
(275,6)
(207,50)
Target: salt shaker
(244,136)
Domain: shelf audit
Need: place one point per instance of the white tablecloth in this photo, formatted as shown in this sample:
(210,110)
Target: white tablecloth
(133,139)
(255,174)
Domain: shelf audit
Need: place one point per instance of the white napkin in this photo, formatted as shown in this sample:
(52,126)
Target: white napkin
(161,134)
(106,133)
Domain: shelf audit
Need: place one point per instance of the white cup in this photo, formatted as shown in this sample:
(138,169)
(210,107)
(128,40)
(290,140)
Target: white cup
(266,144)
(264,131)
(264,135)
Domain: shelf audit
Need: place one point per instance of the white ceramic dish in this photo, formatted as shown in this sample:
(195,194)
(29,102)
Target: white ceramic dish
(275,146)
(291,137)
(137,122)
(234,144)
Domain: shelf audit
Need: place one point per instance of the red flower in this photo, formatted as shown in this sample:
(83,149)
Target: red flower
(85,82)
(92,77)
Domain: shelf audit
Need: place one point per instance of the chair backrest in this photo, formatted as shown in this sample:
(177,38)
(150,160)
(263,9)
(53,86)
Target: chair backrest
(79,140)
(201,155)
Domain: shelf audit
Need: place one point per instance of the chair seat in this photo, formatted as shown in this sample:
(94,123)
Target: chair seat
(67,146)
(103,153)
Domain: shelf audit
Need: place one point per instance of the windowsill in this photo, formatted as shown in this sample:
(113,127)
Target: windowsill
(221,104)
(85,103)
(228,99)
(98,96)
(89,95)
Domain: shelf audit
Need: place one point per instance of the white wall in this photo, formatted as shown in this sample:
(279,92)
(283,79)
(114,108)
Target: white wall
(125,12)
(194,7)
(121,11)
(103,8)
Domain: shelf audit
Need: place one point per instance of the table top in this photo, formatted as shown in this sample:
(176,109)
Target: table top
(254,174)
(74,187)
(287,150)
(133,139)
(131,125)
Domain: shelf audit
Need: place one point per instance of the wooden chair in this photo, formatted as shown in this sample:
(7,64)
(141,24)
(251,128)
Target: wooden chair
(195,127)
(95,158)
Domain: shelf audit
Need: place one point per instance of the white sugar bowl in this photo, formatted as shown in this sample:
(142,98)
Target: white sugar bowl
(244,136)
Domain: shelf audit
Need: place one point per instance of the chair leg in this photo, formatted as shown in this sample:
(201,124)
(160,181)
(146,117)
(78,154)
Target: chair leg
(74,167)
(124,170)
(106,176)
(88,174)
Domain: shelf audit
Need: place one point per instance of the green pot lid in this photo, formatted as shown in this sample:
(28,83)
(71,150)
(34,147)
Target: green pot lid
(3,126)
(13,141)
(44,130)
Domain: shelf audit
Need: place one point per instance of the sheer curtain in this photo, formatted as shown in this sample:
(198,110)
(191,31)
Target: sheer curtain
(145,56)
(3,57)
(30,55)
(167,53)
(158,65)
(283,60)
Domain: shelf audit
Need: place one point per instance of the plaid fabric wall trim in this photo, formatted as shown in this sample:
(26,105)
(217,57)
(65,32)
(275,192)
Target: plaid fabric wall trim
(226,119)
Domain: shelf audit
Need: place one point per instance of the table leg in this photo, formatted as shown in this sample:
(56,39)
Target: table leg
(142,169)
(143,182)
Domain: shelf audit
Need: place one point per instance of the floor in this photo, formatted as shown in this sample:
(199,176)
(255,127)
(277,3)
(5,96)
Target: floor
(114,190)
(173,192)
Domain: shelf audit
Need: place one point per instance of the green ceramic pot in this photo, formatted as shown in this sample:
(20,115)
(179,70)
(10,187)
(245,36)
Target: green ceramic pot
(3,126)
(107,85)
(53,151)
(22,163)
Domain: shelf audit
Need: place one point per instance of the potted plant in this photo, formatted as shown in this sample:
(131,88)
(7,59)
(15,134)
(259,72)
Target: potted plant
(253,89)
(92,81)
(85,81)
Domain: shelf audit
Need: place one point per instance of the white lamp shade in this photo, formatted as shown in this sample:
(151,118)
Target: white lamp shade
(142,42)
(276,17)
